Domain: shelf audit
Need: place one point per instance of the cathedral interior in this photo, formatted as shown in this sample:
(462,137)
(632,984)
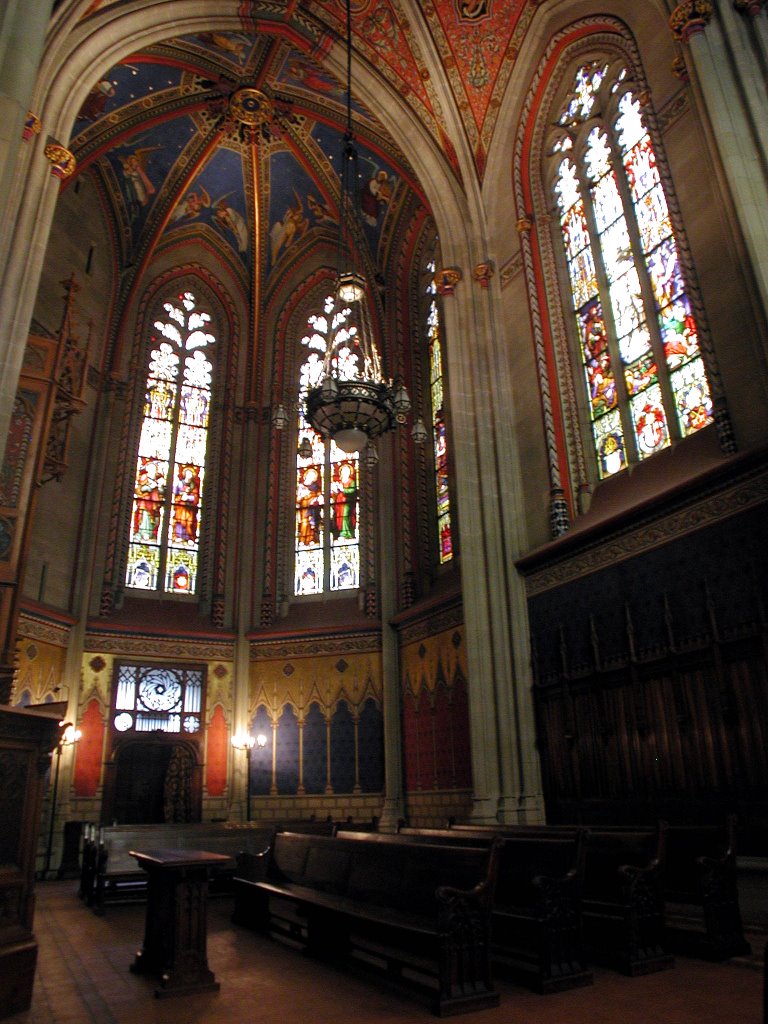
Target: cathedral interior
(540,594)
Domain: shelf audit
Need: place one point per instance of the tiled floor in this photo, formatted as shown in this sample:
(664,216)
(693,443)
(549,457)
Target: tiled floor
(83,978)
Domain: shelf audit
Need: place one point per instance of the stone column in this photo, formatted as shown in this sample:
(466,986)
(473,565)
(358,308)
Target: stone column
(738,124)
(505,768)
(241,681)
(755,12)
(392,810)
(23,24)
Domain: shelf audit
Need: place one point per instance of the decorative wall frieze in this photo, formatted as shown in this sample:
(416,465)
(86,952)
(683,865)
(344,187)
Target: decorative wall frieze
(176,648)
(690,18)
(511,269)
(37,627)
(673,109)
(650,531)
(299,647)
(431,623)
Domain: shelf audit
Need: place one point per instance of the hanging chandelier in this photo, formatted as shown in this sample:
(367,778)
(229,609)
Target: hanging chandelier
(353,403)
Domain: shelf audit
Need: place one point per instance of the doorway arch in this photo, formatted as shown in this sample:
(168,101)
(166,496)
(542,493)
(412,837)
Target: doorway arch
(153,781)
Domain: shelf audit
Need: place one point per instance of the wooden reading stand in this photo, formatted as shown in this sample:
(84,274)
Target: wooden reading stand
(175,935)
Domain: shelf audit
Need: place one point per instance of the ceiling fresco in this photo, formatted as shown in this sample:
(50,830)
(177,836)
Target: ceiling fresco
(477,42)
(237,139)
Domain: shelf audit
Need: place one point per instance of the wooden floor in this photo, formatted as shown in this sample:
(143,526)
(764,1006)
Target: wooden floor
(83,978)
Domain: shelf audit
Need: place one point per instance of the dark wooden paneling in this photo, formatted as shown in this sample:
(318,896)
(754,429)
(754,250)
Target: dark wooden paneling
(651,684)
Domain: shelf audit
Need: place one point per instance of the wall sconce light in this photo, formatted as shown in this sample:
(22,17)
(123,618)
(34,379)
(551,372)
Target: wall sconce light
(244,741)
(69,738)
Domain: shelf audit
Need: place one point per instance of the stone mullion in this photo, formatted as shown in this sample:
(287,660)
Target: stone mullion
(646,289)
(604,292)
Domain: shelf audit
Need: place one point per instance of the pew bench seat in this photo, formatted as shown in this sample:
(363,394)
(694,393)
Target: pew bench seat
(419,914)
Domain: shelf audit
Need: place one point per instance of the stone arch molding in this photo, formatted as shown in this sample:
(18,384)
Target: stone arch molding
(79,51)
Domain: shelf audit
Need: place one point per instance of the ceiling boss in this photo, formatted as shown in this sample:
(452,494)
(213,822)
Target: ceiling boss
(250,106)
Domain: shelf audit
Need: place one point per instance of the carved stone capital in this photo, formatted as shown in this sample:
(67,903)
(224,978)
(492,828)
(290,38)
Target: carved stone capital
(249,413)
(690,17)
(32,126)
(483,273)
(749,7)
(62,160)
(446,280)
(680,68)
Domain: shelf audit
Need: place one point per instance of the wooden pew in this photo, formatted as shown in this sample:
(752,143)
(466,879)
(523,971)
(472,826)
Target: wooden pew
(700,871)
(536,927)
(622,899)
(419,913)
(117,878)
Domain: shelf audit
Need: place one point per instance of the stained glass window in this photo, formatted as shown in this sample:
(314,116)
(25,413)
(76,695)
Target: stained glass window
(170,464)
(439,438)
(327,538)
(151,698)
(645,379)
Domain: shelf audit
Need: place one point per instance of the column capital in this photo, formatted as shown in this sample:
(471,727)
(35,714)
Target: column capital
(690,18)
(32,126)
(445,280)
(483,273)
(62,160)
(749,7)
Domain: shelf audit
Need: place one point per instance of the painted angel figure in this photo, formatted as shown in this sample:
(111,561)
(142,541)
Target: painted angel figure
(293,225)
(140,188)
(375,196)
(191,205)
(230,219)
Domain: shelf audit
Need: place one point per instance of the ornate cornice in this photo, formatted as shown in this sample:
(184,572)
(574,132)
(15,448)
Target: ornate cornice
(436,620)
(142,645)
(646,532)
(299,647)
(44,630)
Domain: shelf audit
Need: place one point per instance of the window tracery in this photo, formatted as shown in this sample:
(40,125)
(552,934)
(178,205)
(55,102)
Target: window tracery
(639,350)
(327,534)
(437,411)
(166,513)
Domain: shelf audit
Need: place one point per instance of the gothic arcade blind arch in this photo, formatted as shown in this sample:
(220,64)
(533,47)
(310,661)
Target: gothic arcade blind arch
(625,362)
(337,749)
(166,514)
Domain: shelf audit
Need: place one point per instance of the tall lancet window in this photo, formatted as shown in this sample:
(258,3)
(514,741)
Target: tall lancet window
(327,487)
(639,347)
(439,437)
(170,463)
